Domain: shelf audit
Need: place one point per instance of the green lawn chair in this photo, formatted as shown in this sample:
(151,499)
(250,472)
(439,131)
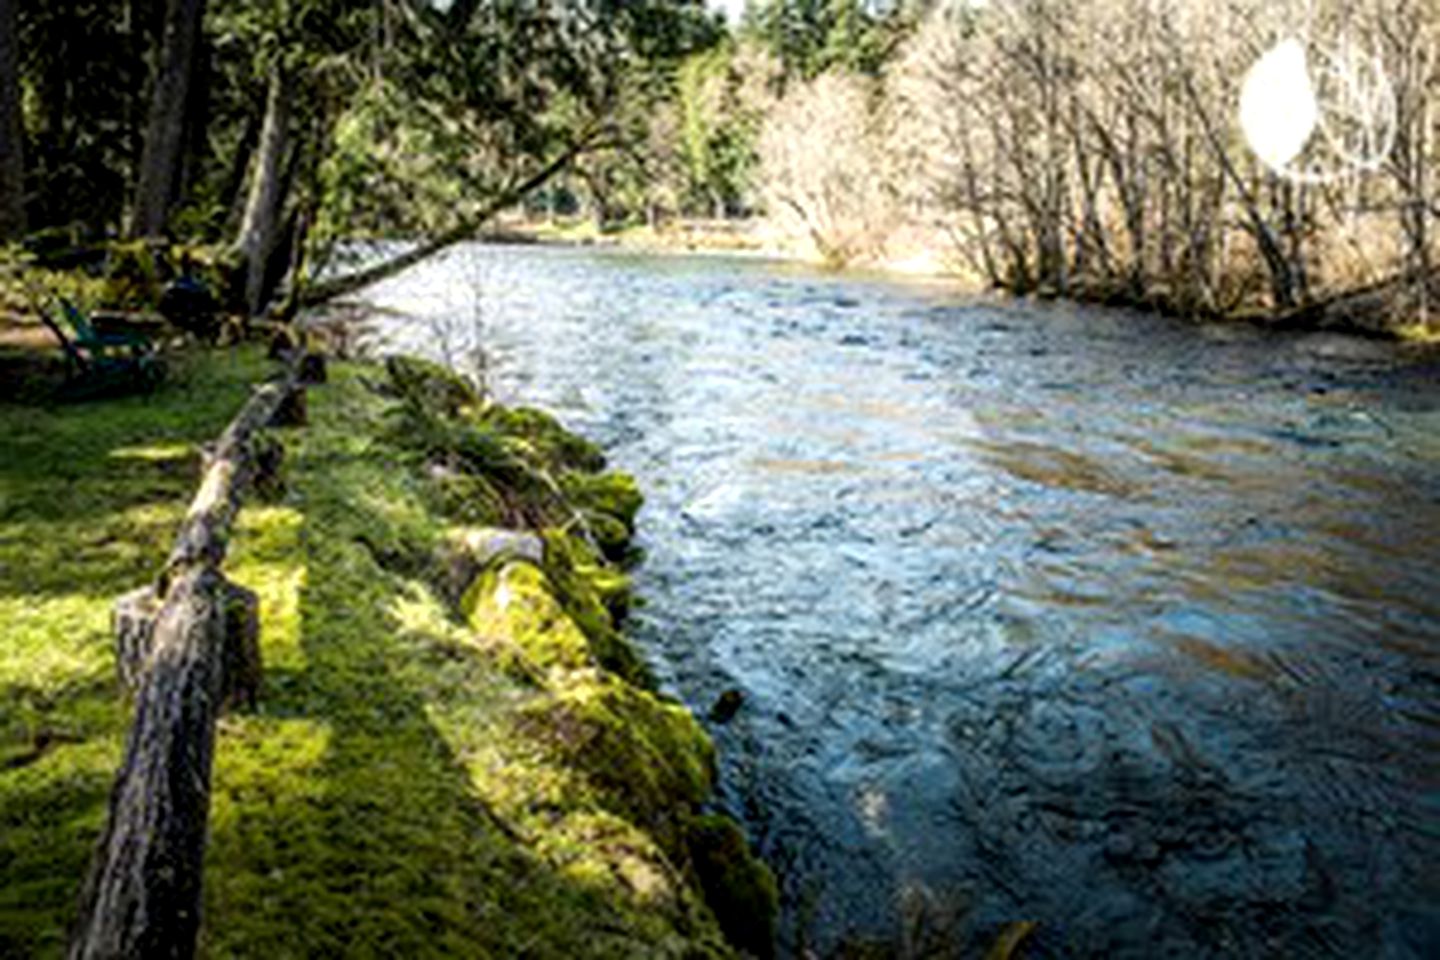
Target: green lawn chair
(98,363)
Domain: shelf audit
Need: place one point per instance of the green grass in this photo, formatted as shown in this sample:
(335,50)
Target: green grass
(410,785)
(90,497)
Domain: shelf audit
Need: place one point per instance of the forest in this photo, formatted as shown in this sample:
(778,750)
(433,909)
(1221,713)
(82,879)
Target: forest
(1076,148)
(1012,534)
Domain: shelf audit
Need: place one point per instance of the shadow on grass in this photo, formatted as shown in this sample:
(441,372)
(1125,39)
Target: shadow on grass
(348,817)
(349,827)
(90,498)
(90,492)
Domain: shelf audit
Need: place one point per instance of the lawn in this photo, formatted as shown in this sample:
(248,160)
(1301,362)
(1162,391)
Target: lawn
(416,781)
(90,498)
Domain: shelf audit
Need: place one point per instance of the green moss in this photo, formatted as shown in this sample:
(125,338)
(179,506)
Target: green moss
(465,497)
(401,790)
(435,389)
(613,494)
(646,754)
(554,618)
(90,497)
(513,606)
(608,502)
(611,536)
(551,443)
(584,579)
(597,597)
(739,888)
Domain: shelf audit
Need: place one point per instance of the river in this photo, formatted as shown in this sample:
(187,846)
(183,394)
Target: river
(1119,626)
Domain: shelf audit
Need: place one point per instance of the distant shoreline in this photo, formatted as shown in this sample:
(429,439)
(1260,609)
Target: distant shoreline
(913,260)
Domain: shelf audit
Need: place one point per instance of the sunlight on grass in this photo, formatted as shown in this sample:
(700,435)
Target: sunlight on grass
(52,640)
(406,787)
(90,496)
(154,453)
(264,559)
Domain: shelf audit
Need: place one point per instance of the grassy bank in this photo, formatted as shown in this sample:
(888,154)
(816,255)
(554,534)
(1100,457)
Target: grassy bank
(679,236)
(456,752)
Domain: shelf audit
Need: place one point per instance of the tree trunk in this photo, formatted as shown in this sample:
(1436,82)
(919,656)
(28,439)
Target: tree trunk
(159,174)
(195,148)
(234,188)
(262,208)
(12,131)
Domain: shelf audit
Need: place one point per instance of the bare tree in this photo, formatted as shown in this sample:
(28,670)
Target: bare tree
(1093,148)
(821,168)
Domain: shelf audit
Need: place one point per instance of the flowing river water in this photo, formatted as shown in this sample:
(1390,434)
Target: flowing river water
(1123,627)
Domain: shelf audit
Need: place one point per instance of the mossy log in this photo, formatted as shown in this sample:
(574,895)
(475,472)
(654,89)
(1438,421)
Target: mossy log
(229,466)
(137,614)
(187,645)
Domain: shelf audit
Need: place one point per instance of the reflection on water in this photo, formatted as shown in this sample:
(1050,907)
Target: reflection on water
(1063,625)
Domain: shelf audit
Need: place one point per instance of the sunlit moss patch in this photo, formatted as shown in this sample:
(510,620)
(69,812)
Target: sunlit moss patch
(493,778)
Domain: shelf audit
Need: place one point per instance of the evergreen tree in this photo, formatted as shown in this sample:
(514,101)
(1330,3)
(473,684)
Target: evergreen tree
(12,132)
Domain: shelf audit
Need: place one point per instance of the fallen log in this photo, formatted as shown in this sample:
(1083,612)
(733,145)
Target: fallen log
(1360,310)
(142,898)
(188,645)
(204,532)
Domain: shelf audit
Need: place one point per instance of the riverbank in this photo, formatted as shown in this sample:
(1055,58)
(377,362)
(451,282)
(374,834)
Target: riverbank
(456,750)
(1017,538)
(915,252)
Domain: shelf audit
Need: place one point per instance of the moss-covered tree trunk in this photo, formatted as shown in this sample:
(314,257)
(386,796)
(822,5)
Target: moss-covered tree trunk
(158,178)
(12,131)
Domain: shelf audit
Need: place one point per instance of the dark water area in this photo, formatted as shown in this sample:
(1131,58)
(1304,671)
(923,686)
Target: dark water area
(1085,618)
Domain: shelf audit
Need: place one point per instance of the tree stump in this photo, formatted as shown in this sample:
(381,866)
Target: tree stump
(242,667)
(135,615)
(293,411)
(134,621)
(142,897)
(313,370)
(267,479)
